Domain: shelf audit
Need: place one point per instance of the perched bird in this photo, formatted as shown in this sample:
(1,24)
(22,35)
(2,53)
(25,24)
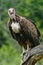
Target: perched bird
(23,30)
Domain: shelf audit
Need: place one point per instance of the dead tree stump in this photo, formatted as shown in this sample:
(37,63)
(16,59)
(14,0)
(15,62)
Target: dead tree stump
(32,56)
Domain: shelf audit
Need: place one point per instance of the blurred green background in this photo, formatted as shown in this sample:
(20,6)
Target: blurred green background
(10,51)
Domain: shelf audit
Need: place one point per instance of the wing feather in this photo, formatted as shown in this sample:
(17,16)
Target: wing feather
(29,26)
(30,30)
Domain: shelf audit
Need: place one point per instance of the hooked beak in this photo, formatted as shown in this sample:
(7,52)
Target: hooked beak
(11,13)
(13,17)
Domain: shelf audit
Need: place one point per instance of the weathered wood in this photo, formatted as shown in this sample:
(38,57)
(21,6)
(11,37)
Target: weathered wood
(32,56)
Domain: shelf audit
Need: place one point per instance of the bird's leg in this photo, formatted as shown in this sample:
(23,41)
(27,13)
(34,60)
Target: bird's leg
(23,55)
(24,51)
(28,47)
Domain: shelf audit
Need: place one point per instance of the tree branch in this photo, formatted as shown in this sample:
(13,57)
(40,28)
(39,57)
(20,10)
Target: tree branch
(32,56)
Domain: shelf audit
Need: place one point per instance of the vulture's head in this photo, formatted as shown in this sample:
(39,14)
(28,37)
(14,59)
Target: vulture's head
(11,13)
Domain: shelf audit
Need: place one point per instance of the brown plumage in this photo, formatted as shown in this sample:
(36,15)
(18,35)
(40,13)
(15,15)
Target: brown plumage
(28,35)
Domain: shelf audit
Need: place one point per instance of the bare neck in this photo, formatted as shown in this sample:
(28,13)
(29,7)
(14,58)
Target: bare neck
(15,20)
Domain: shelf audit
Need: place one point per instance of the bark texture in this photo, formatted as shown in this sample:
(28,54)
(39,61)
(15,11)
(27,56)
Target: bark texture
(32,56)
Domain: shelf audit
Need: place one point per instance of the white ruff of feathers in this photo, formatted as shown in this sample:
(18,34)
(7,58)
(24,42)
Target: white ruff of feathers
(15,27)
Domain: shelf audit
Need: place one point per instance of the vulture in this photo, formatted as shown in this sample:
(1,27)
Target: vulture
(23,30)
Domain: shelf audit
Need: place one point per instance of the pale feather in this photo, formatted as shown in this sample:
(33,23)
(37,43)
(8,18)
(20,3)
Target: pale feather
(15,27)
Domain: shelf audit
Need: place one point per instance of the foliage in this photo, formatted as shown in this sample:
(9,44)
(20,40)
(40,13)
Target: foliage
(9,56)
(31,9)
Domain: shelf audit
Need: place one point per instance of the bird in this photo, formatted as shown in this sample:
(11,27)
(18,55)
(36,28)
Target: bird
(23,30)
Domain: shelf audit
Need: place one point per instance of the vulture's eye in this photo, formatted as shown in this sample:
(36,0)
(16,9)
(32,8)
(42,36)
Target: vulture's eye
(9,10)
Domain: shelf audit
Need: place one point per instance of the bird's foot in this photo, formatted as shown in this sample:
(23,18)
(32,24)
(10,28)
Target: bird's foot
(23,53)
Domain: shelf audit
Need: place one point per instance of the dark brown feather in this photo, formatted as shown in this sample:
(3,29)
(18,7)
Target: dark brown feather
(28,31)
